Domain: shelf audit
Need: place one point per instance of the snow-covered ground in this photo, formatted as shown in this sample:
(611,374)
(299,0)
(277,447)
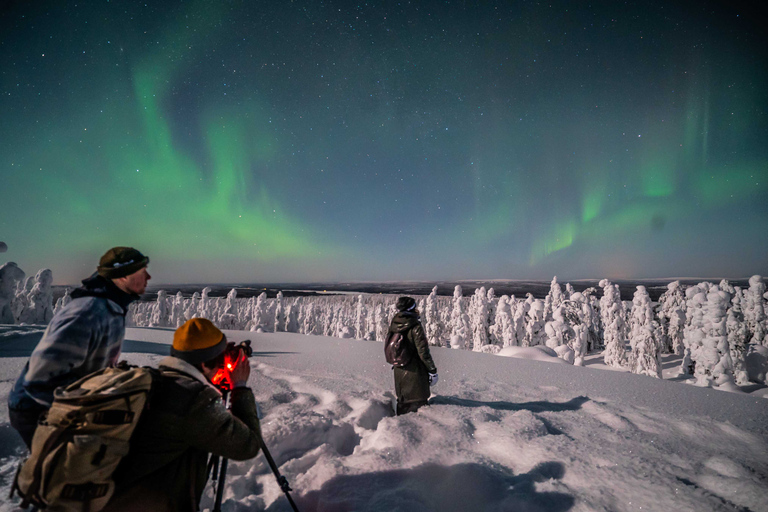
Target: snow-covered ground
(502,434)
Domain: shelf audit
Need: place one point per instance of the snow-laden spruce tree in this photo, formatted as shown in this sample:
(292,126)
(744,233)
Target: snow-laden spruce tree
(382,322)
(460,327)
(62,301)
(279,313)
(502,332)
(676,330)
(553,299)
(711,353)
(192,306)
(492,303)
(672,299)
(259,320)
(645,354)
(38,306)
(292,316)
(693,333)
(432,322)
(519,317)
(19,302)
(229,318)
(754,310)
(534,324)
(478,317)
(591,313)
(360,315)
(579,344)
(10,277)
(737,338)
(206,304)
(177,310)
(159,315)
(613,316)
(569,291)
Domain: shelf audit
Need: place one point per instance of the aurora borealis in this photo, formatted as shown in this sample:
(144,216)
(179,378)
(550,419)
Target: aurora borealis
(237,141)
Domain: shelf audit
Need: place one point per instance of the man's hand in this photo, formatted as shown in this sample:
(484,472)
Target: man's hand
(242,370)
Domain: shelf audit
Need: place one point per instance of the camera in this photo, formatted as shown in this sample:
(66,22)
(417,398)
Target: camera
(231,356)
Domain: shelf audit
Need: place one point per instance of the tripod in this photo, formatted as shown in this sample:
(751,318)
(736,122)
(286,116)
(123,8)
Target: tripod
(222,472)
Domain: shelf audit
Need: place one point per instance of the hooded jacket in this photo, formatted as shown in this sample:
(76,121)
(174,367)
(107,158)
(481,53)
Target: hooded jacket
(85,336)
(185,421)
(412,380)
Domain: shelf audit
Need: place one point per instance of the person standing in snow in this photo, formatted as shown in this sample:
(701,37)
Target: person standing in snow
(413,380)
(185,421)
(84,336)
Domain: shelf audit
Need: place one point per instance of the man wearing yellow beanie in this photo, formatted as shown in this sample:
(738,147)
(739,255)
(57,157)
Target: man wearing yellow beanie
(186,420)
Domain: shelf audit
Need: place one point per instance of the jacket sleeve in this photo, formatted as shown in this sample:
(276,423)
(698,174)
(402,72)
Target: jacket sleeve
(422,347)
(63,347)
(234,435)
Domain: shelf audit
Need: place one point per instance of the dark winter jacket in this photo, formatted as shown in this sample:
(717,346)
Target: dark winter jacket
(85,336)
(165,469)
(412,380)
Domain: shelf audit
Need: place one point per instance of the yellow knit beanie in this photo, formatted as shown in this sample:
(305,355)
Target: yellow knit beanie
(198,341)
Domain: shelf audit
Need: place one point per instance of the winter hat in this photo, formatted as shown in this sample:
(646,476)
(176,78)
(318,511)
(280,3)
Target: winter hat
(405,304)
(198,341)
(121,262)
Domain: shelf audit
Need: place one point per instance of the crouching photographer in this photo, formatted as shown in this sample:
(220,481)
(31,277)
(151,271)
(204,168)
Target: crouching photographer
(186,420)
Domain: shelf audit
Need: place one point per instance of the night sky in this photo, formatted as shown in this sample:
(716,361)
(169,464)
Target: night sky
(245,141)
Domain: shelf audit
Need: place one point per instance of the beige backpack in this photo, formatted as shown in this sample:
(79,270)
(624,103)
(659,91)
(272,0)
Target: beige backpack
(81,440)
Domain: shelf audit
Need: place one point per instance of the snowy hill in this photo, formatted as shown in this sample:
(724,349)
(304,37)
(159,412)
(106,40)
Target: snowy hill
(502,434)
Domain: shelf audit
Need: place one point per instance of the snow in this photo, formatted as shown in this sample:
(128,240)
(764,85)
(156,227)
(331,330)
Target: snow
(526,432)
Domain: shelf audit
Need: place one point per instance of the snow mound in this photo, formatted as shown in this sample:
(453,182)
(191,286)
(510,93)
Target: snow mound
(537,353)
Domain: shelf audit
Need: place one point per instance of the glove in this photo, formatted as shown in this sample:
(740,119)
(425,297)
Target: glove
(432,379)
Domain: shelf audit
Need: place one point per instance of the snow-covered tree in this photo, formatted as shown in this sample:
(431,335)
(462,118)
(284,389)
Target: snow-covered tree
(20,300)
(502,332)
(10,277)
(258,320)
(433,325)
(591,314)
(177,310)
(711,353)
(754,310)
(675,330)
(360,315)
(613,316)
(206,307)
(160,314)
(534,324)
(737,338)
(460,326)
(191,309)
(669,301)
(519,317)
(645,354)
(231,313)
(553,299)
(693,333)
(478,317)
(38,305)
(280,323)
(291,316)
(62,301)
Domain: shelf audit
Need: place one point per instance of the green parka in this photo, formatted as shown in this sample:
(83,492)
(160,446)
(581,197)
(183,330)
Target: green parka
(412,380)
(165,469)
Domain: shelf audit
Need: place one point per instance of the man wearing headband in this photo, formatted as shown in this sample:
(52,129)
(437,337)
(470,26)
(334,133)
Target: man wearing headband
(84,336)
